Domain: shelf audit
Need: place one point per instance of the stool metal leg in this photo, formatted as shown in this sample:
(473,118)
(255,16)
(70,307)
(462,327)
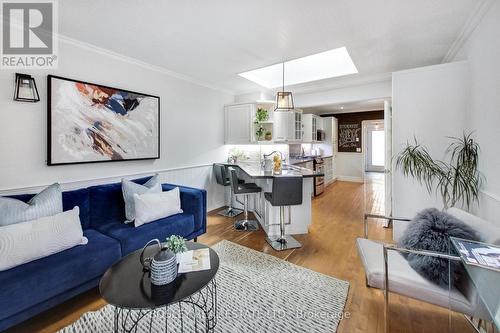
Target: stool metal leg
(283,242)
(246,224)
(230,211)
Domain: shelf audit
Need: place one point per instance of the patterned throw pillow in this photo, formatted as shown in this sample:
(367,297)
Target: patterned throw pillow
(129,188)
(46,203)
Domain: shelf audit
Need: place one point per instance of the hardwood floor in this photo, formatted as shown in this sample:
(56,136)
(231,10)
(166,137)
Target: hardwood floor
(329,248)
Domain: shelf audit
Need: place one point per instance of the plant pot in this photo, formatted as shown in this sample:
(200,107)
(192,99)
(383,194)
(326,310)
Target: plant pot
(268,136)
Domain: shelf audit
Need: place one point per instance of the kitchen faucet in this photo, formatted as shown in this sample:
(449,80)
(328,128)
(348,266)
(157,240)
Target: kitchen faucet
(283,158)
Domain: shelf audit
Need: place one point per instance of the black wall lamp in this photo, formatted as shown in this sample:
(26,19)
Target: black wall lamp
(25,89)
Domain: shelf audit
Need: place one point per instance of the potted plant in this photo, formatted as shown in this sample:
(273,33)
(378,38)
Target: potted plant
(268,136)
(458,181)
(261,115)
(176,244)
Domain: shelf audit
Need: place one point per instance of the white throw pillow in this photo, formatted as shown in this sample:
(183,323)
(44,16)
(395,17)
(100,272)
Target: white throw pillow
(27,241)
(154,206)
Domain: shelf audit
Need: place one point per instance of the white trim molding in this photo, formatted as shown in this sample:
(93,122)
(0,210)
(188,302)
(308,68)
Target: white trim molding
(135,61)
(470,25)
(198,176)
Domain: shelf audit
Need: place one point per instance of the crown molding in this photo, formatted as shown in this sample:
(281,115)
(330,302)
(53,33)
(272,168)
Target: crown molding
(135,61)
(470,25)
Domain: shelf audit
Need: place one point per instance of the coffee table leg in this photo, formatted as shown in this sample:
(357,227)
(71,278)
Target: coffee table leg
(116,317)
(205,301)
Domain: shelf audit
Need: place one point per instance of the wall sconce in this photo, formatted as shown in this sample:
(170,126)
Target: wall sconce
(25,89)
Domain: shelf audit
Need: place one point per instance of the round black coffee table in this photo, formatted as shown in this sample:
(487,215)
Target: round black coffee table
(127,287)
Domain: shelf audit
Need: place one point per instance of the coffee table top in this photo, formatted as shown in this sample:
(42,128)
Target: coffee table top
(126,285)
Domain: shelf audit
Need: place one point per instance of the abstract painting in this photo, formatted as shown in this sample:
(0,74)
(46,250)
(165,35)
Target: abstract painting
(93,123)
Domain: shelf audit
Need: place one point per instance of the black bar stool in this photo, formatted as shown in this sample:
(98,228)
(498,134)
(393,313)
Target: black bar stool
(244,189)
(287,191)
(222,178)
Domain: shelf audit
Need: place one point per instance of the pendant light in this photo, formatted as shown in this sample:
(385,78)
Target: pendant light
(284,99)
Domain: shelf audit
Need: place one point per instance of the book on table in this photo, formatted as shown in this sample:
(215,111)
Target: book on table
(478,253)
(193,261)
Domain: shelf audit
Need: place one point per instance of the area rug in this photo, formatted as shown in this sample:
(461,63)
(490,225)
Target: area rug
(256,292)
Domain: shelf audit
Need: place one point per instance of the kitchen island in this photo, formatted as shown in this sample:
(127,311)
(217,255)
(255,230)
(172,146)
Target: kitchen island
(297,218)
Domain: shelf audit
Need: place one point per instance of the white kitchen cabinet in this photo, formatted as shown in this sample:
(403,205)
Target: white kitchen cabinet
(288,126)
(239,119)
(312,123)
(238,123)
(329,170)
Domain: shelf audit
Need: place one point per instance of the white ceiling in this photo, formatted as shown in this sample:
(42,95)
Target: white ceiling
(212,41)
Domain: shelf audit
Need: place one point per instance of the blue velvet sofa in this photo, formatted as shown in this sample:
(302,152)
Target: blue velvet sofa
(29,289)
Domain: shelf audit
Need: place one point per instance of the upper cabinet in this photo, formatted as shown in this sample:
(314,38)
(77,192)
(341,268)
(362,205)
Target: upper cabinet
(312,123)
(288,126)
(240,123)
(330,126)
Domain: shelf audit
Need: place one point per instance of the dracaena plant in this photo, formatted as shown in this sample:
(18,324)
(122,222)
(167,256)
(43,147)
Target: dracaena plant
(457,181)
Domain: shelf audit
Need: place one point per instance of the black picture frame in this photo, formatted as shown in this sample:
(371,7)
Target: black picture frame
(50,161)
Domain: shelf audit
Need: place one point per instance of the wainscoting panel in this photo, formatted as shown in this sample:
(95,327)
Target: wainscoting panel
(199,176)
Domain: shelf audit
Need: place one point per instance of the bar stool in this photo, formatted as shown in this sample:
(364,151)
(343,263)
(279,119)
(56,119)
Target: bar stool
(287,191)
(244,189)
(222,178)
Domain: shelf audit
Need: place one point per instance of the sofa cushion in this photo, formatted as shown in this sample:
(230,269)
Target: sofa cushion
(70,199)
(107,203)
(150,207)
(46,203)
(130,188)
(21,243)
(132,238)
(39,280)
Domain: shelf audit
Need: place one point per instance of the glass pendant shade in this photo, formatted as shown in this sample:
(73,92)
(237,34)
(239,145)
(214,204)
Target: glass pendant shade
(284,101)
(25,89)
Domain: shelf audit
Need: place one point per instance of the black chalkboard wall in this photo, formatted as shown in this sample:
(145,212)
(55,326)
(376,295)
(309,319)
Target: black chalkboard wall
(350,130)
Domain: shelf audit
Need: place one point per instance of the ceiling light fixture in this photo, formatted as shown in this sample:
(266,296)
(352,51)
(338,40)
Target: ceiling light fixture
(284,99)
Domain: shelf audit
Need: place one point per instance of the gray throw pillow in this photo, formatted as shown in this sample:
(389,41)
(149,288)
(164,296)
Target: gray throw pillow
(431,230)
(129,188)
(46,203)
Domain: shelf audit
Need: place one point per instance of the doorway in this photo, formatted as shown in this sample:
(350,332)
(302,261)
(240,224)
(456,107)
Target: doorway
(375,146)
(374,159)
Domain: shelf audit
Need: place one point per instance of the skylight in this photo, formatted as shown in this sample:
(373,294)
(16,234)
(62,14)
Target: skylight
(324,65)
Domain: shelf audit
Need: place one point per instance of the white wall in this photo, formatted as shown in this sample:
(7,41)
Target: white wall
(192,126)
(429,103)
(354,93)
(482,51)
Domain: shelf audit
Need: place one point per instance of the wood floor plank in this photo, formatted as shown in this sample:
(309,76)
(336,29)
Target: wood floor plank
(329,248)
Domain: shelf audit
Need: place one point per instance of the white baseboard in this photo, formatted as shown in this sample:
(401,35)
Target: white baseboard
(350,179)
